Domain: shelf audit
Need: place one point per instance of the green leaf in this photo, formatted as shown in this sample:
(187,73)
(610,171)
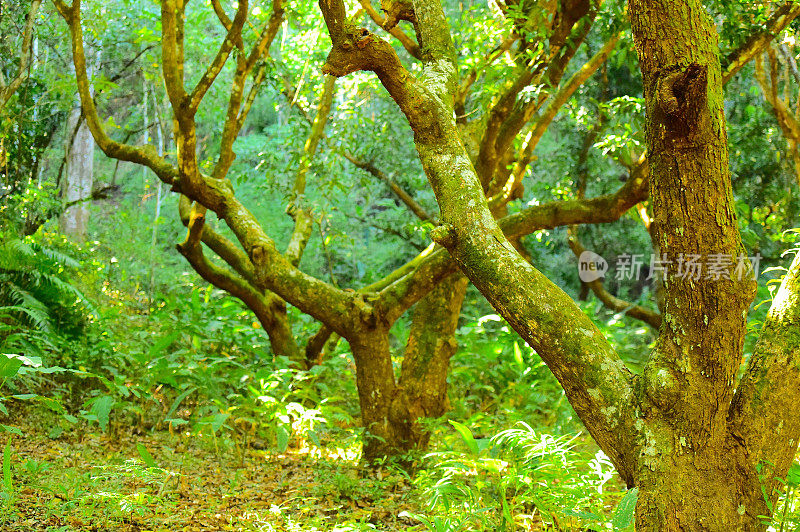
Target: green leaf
(12,430)
(793,476)
(282,437)
(518,355)
(9,366)
(102,409)
(623,516)
(147,458)
(467,436)
(52,404)
(161,345)
(218,421)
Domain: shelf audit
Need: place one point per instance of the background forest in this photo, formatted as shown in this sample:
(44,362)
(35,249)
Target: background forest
(146,385)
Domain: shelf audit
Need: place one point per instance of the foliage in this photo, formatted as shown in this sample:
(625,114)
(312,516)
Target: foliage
(520,478)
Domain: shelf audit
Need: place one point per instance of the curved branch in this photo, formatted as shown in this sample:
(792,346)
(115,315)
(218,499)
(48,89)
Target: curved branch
(25,52)
(234,28)
(406,285)
(757,42)
(408,43)
(602,209)
(609,300)
(343,311)
(270,310)
(144,155)
(402,195)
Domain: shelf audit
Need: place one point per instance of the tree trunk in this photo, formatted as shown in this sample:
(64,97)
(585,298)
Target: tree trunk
(79,175)
(77,184)
(699,492)
(376,391)
(276,323)
(692,472)
(423,377)
(391,413)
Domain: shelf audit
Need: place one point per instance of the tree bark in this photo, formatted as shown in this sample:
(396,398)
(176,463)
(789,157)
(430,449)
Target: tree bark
(78,179)
(431,344)
(693,471)
(392,412)
(376,392)
(79,174)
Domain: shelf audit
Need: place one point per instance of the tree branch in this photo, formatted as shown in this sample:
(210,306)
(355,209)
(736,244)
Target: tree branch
(235,28)
(144,155)
(303,222)
(408,43)
(7,90)
(757,42)
(762,415)
(401,194)
(609,300)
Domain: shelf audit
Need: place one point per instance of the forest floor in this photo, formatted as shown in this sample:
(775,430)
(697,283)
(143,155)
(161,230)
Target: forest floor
(95,482)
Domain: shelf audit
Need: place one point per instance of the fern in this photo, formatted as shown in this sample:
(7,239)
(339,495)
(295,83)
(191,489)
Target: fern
(35,291)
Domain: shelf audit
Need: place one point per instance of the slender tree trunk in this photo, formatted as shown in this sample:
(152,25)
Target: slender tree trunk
(275,321)
(77,183)
(79,175)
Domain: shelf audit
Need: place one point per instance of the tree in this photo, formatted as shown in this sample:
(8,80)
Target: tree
(266,279)
(672,444)
(78,177)
(698,447)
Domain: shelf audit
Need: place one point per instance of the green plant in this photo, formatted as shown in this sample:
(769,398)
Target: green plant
(35,290)
(519,477)
(283,403)
(13,366)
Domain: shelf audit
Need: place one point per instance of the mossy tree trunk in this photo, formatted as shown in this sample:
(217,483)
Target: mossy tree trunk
(426,360)
(393,410)
(698,448)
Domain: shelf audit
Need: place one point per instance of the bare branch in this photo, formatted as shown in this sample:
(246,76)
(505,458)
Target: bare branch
(404,196)
(565,92)
(408,43)
(303,222)
(638,312)
(269,309)
(144,155)
(335,14)
(235,28)
(237,113)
